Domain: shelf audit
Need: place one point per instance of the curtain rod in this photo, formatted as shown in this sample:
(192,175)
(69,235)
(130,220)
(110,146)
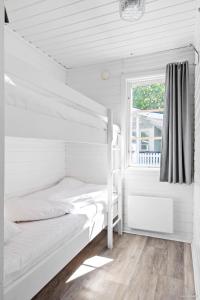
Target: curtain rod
(178,48)
(184,47)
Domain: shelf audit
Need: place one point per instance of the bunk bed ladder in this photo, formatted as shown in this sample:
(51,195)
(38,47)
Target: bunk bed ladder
(114,184)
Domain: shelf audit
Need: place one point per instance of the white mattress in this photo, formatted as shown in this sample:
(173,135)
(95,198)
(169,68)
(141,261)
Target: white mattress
(36,240)
(40,238)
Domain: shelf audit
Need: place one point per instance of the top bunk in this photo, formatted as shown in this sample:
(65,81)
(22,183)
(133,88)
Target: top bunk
(41,107)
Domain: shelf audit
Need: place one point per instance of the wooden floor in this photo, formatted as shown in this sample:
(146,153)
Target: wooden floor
(138,268)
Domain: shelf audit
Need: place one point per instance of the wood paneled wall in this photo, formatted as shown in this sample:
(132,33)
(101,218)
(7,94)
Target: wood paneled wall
(146,183)
(87,162)
(32,164)
(88,80)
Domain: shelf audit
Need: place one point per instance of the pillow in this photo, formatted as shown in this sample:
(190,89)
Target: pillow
(43,205)
(71,183)
(10,230)
(31,208)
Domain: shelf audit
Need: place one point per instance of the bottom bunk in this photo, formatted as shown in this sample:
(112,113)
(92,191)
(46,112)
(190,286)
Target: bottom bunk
(43,247)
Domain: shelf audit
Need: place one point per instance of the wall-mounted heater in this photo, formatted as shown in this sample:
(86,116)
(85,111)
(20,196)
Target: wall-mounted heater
(150,213)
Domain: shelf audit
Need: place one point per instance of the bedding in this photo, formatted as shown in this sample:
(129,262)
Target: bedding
(30,208)
(89,202)
(86,205)
(68,196)
(47,236)
(10,230)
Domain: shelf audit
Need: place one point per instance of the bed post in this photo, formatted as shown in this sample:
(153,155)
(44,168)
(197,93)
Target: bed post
(110,180)
(114,179)
(119,183)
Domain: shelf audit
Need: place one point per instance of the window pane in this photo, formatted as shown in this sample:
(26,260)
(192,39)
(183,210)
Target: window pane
(146,124)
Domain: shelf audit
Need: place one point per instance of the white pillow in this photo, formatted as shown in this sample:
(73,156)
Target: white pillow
(31,208)
(71,183)
(42,205)
(10,230)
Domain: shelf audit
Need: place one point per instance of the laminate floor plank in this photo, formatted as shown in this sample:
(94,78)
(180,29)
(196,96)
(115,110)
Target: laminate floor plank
(137,268)
(188,271)
(175,260)
(169,288)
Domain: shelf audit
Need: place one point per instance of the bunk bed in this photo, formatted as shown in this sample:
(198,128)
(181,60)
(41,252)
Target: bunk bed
(46,109)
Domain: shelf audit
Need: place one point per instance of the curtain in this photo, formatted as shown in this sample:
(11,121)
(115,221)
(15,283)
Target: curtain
(178,133)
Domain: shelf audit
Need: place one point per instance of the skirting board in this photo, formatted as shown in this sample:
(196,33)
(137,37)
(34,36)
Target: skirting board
(173,237)
(196,268)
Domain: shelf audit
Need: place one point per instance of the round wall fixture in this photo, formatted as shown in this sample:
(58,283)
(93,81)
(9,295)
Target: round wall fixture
(105,75)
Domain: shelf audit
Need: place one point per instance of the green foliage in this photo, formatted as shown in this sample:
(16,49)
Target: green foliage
(149,97)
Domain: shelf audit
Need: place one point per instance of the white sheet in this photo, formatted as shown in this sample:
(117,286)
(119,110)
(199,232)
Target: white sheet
(88,199)
(68,196)
(10,230)
(36,240)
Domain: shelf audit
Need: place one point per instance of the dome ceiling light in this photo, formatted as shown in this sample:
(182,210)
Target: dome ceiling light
(131,10)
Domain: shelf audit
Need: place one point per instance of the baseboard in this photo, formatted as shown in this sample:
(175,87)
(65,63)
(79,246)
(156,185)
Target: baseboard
(174,237)
(196,268)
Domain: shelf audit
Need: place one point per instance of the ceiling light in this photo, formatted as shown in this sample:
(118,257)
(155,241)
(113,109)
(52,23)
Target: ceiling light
(131,10)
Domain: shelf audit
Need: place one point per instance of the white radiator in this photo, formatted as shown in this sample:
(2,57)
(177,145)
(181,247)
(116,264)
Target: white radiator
(150,213)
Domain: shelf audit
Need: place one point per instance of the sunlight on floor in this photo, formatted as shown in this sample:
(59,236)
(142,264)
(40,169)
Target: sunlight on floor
(89,265)
(97,261)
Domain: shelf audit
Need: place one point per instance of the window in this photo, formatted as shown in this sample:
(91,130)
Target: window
(146,120)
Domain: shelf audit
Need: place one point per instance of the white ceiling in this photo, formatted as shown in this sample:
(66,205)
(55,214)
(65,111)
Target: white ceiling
(84,32)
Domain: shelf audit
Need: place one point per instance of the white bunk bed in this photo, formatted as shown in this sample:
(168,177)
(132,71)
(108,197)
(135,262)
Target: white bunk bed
(63,114)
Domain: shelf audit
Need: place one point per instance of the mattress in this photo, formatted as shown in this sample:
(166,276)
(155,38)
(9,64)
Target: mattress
(38,239)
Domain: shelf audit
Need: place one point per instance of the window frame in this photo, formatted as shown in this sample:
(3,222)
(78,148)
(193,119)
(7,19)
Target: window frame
(137,81)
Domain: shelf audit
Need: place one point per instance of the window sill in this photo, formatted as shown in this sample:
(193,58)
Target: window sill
(142,169)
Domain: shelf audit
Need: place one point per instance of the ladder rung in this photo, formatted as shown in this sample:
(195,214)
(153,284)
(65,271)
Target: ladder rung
(115,196)
(116,222)
(116,148)
(116,170)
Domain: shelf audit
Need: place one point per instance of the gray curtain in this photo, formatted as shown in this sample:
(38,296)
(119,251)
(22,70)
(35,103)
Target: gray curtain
(178,133)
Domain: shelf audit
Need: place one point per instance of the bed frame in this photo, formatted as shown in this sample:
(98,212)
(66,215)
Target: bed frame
(56,111)
(96,127)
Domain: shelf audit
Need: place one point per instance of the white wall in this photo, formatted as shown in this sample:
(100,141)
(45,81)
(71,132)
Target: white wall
(196,237)
(107,92)
(32,164)
(146,183)
(1,147)
(87,162)
(110,93)
(17,47)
